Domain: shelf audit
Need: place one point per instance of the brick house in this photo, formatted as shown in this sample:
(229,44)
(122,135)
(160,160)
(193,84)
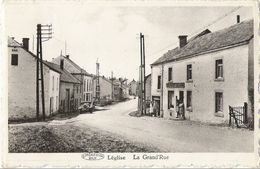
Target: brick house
(208,72)
(22,83)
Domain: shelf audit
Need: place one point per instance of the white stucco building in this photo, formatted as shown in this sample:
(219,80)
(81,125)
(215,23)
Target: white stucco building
(22,83)
(209,72)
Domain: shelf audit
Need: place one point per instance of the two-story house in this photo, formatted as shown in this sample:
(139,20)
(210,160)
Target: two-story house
(86,79)
(208,73)
(22,83)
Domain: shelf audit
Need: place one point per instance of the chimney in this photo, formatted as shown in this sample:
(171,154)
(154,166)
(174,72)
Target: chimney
(61,64)
(183,40)
(238,18)
(68,56)
(26,43)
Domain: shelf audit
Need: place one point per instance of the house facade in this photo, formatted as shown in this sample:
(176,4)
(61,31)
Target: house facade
(106,88)
(208,73)
(22,83)
(148,86)
(86,79)
(70,96)
(133,87)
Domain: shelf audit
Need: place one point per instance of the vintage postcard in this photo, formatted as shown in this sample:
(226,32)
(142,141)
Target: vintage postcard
(140,84)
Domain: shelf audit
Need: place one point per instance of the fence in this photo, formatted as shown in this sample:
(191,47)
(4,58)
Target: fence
(238,115)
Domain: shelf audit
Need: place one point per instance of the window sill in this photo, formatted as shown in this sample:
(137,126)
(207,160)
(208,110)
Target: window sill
(189,81)
(219,114)
(219,80)
(189,109)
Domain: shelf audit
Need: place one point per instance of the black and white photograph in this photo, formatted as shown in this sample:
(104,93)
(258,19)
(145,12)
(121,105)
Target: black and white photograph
(133,81)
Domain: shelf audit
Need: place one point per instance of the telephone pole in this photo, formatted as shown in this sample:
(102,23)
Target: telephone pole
(142,92)
(44,33)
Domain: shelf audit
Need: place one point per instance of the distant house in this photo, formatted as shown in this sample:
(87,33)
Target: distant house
(70,95)
(22,83)
(148,85)
(121,89)
(133,87)
(208,73)
(105,88)
(86,79)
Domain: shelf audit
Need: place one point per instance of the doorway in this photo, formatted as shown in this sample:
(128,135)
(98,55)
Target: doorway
(67,106)
(156,100)
(181,96)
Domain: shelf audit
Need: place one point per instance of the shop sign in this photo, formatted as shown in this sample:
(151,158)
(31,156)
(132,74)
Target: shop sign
(175,85)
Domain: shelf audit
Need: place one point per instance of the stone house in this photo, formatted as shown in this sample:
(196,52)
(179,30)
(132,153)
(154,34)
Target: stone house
(70,96)
(133,87)
(208,73)
(86,79)
(106,87)
(22,83)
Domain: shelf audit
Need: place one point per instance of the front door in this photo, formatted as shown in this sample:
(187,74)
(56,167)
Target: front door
(51,105)
(156,100)
(181,96)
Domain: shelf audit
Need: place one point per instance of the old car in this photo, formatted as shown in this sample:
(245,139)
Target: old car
(86,107)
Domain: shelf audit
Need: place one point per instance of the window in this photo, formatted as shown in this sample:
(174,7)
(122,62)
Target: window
(169,74)
(77,89)
(189,72)
(52,83)
(170,99)
(14,60)
(57,84)
(189,99)
(159,82)
(219,102)
(87,84)
(84,85)
(219,69)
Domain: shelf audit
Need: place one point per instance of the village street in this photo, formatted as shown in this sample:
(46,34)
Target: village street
(167,135)
(162,134)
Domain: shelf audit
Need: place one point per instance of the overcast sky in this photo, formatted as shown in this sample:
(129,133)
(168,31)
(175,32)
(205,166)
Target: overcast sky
(110,33)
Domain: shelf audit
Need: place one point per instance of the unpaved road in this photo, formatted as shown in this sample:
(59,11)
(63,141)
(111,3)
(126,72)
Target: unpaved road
(166,135)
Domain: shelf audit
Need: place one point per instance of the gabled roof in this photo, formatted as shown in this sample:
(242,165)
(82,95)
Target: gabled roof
(82,71)
(13,43)
(234,35)
(65,75)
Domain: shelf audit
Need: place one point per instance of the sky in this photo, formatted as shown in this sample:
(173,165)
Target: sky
(110,33)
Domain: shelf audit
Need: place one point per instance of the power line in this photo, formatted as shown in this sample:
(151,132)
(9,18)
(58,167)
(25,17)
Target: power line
(197,31)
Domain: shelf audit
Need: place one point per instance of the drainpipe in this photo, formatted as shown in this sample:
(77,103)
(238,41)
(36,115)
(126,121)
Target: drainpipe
(161,102)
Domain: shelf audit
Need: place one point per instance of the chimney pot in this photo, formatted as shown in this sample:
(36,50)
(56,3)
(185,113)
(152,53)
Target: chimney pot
(238,18)
(183,40)
(26,43)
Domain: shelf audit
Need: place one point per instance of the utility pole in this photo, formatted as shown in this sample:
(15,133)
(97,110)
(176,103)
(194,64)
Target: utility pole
(42,36)
(141,74)
(144,75)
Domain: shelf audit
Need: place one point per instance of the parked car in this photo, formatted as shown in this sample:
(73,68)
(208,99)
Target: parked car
(86,107)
